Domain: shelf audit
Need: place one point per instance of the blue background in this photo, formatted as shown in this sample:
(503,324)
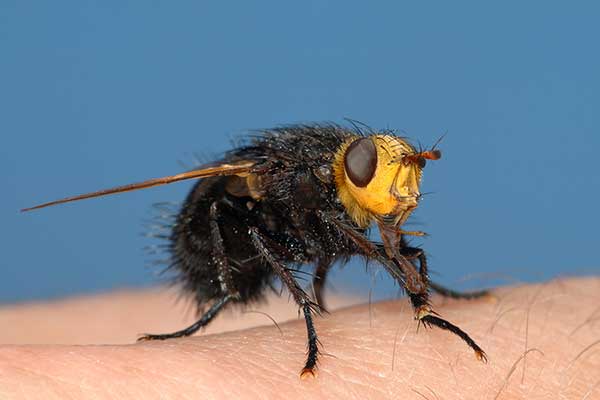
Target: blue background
(96,94)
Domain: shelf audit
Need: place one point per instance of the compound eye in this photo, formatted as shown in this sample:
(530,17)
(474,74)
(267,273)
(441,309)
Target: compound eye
(360,161)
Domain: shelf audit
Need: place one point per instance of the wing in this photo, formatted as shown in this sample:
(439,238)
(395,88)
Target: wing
(240,168)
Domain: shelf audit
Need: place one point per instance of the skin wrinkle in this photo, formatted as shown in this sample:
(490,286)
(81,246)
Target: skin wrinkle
(592,389)
(375,388)
(149,376)
(148,382)
(31,370)
(96,362)
(373,347)
(41,379)
(270,365)
(359,383)
(263,368)
(363,344)
(376,376)
(349,389)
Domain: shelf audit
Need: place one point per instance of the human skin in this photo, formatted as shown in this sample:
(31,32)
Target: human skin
(368,351)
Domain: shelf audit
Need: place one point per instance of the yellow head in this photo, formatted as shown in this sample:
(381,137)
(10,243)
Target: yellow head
(377,178)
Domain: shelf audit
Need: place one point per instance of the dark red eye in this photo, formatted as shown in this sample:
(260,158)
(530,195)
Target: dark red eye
(360,161)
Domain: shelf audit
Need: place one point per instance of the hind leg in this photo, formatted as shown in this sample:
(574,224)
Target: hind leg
(190,330)
(225,281)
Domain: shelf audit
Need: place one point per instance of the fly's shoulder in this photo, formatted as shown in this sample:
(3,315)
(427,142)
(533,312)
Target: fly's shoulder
(292,164)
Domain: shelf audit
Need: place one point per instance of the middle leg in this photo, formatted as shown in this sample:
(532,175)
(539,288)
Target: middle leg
(299,295)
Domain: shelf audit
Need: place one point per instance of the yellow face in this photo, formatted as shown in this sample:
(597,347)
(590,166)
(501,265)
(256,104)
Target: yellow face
(377,177)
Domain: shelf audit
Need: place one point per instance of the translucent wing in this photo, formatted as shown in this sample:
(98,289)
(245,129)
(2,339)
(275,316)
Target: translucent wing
(240,168)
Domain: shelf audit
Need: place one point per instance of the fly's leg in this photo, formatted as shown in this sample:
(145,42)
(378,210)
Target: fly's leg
(299,295)
(225,280)
(416,253)
(319,279)
(426,316)
(418,298)
(423,311)
(190,330)
(455,294)
(219,256)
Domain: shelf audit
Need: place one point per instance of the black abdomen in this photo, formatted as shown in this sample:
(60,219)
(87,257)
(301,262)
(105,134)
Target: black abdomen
(193,245)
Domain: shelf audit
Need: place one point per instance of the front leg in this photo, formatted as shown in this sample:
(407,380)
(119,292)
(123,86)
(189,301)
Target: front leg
(419,298)
(413,253)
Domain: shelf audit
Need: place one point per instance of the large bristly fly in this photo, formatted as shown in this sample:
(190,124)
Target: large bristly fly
(293,196)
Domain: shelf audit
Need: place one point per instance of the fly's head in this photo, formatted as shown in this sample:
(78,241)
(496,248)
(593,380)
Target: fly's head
(378,179)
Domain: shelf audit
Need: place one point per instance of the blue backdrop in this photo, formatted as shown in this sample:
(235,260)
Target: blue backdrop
(95,94)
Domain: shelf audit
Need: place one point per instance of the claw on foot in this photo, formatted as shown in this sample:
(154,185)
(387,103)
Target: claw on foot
(481,356)
(424,311)
(307,373)
(146,338)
